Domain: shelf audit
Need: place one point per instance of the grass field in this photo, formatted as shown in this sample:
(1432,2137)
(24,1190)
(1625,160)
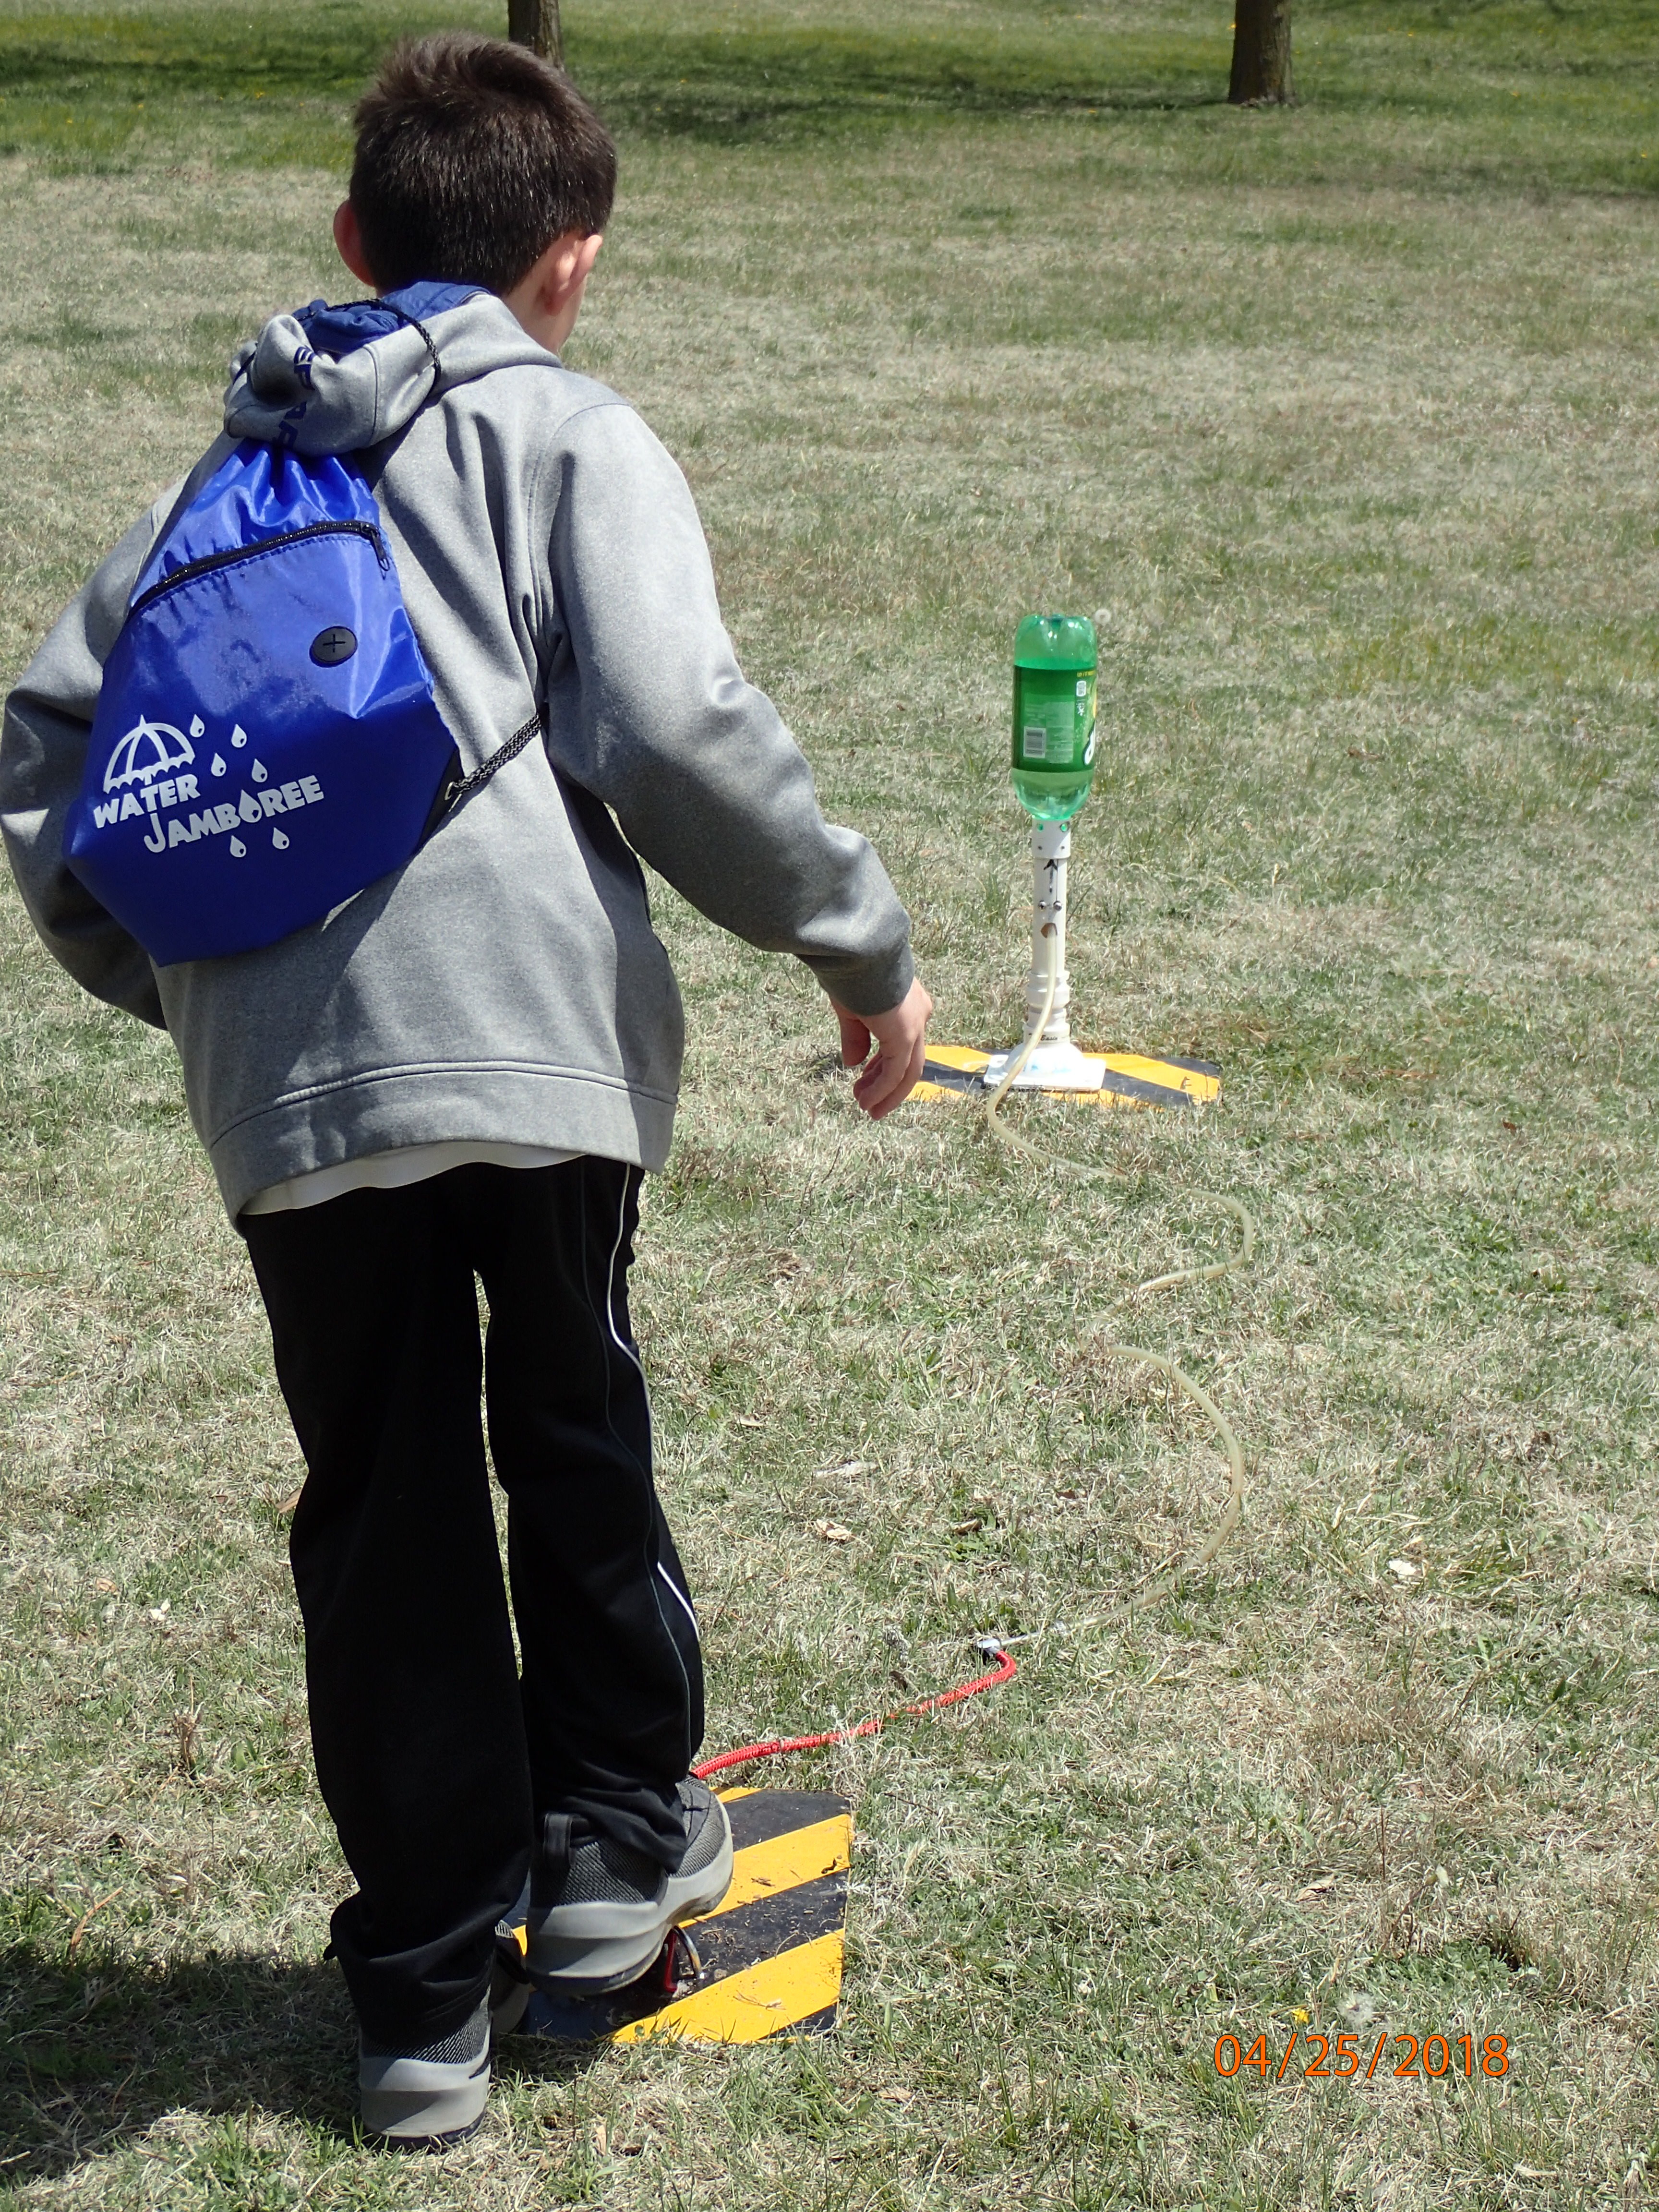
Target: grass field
(1347,418)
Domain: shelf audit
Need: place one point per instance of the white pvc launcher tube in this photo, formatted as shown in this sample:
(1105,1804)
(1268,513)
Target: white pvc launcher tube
(1051,848)
(1048,1060)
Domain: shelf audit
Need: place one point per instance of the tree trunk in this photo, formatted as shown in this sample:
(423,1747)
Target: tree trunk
(536,23)
(1262,54)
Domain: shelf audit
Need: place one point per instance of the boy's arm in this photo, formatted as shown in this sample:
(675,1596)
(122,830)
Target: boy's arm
(649,710)
(43,747)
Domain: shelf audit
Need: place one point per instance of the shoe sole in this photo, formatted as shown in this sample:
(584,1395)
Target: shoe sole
(601,1947)
(412,2144)
(430,2115)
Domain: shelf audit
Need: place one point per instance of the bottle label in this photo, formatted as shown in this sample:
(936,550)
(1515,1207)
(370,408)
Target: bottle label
(1053,719)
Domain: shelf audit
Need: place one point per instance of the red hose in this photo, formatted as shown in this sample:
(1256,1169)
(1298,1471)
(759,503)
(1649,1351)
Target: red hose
(1004,1671)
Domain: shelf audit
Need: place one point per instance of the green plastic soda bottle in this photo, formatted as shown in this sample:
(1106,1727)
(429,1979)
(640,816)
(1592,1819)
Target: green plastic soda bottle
(1054,658)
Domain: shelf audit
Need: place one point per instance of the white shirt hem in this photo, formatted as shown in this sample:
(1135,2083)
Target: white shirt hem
(393,1171)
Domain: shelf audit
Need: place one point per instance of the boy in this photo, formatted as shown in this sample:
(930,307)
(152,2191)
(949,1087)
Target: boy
(467,1070)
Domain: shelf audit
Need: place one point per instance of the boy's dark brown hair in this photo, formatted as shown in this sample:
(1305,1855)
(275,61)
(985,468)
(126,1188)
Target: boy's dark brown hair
(472,157)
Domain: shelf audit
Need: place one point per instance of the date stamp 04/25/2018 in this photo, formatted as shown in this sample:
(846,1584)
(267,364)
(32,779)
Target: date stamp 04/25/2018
(1343,2058)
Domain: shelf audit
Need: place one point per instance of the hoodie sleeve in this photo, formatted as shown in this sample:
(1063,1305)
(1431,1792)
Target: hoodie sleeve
(42,749)
(649,710)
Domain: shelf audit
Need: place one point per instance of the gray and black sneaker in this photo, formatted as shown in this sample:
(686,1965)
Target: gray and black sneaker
(429,2098)
(599,1913)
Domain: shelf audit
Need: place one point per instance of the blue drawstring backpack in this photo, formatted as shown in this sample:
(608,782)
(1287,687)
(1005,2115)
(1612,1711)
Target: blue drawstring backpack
(266,742)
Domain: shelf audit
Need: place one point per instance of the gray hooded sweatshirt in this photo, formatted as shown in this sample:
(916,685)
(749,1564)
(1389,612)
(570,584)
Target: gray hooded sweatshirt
(504,987)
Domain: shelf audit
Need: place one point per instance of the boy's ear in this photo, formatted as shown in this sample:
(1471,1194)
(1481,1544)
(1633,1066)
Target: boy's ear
(588,252)
(349,240)
(562,271)
(548,298)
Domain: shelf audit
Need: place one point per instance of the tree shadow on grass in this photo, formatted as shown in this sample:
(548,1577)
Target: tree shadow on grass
(95,2050)
(719,86)
(808,82)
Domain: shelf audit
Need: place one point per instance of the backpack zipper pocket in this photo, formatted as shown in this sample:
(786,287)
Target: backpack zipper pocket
(234,554)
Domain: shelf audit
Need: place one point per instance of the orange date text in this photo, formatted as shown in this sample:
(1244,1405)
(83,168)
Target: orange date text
(1309,2057)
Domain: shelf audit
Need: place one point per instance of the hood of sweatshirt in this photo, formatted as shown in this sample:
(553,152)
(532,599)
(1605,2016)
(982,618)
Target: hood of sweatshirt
(336,380)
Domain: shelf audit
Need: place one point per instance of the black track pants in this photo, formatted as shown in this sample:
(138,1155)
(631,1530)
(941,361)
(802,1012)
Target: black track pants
(434,1756)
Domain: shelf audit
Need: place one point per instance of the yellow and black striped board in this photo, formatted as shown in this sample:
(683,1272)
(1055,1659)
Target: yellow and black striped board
(1131,1079)
(766,1962)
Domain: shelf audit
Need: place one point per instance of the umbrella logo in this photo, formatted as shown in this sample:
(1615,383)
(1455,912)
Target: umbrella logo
(148,750)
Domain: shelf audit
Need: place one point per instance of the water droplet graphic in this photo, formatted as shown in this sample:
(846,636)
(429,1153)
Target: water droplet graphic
(279,841)
(239,736)
(238,849)
(217,764)
(198,726)
(259,772)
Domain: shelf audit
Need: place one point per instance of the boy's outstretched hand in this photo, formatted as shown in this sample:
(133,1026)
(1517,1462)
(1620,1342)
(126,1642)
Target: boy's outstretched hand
(902,1036)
